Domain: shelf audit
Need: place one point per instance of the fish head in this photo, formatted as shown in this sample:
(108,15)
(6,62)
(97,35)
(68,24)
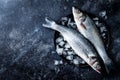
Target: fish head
(79,18)
(95,64)
(78,15)
(97,67)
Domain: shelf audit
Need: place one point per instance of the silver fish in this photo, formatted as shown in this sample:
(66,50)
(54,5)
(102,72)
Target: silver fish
(79,44)
(89,30)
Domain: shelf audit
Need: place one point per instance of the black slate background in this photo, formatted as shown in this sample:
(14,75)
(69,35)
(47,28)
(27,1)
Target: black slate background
(27,49)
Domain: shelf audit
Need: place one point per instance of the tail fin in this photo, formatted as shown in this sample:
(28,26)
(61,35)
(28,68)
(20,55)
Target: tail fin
(49,24)
(110,67)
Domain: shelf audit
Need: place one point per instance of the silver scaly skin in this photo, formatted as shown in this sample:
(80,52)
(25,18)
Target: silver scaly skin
(89,30)
(79,44)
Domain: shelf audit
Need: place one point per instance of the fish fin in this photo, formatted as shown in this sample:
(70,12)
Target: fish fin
(83,26)
(49,24)
(110,67)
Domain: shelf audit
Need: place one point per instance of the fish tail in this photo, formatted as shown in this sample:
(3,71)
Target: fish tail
(49,24)
(110,67)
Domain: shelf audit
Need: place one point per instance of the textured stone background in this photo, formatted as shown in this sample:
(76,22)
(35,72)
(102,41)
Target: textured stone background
(27,49)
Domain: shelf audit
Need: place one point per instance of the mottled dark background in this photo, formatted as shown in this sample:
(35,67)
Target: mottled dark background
(27,50)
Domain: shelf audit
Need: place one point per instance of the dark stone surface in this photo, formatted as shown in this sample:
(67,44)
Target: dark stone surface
(27,49)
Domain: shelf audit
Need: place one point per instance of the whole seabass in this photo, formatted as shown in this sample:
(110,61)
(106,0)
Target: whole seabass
(89,30)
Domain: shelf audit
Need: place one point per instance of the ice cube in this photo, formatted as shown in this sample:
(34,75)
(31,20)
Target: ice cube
(61,43)
(64,53)
(70,57)
(75,61)
(59,39)
(60,62)
(102,29)
(59,50)
(66,49)
(64,18)
(63,23)
(69,22)
(67,45)
(70,52)
(96,22)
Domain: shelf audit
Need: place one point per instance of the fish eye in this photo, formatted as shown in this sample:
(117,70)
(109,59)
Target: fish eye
(77,11)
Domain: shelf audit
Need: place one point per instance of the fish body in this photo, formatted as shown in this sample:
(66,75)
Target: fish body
(79,44)
(89,30)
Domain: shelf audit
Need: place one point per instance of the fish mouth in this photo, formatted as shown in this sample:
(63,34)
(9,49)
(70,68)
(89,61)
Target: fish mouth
(78,15)
(99,70)
(75,10)
(96,66)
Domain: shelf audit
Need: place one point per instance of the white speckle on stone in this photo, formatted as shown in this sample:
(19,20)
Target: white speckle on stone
(56,62)
(105,17)
(65,7)
(102,29)
(59,50)
(2,69)
(74,1)
(15,34)
(103,34)
(60,62)
(81,75)
(58,40)
(53,52)
(96,22)
(103,14)
(6,1)
(70,57)
(36,29)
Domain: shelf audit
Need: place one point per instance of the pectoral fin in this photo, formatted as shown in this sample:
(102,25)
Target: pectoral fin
(83,26)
